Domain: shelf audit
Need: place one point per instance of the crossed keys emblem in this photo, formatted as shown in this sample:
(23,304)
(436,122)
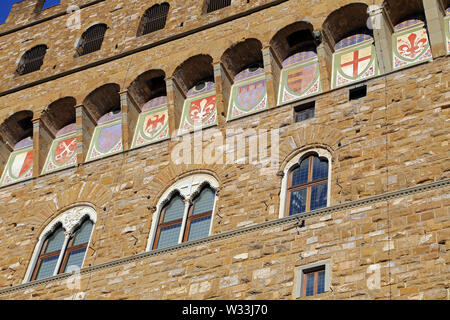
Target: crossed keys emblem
(64,150)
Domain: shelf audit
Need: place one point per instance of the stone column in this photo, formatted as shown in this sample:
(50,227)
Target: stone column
(130,116)
(434,14)
(325,56)
(44,142)
(175,102)
(272,69)
(85,129)
(382,32)
(223,89)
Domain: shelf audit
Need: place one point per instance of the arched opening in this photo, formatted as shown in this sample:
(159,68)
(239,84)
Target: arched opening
(214,5)
(195,77)
(92,39)
(58,135)
(306,183)
(148,112)
(154,19)
(63,244)
(32,60)
(346,34)
(244,64)
(296,47)
(16,148)
(185,212)
(410,42)
(103,106)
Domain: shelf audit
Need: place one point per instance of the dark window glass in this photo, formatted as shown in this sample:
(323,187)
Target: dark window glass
(298,202)
(321,282)
(49,255)
(314,282)
(92,39)
(154,19)
(308,185)
(305,111)
(169,236)
(32,60)
(310,284)
(77,247)
(170,221)
(174,210)
(300,175)
(214,5)
(199,216)
(318,196)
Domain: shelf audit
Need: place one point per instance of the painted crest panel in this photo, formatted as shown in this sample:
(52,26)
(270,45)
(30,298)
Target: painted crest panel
(153,123)
(354,63)
(300,77)
(199,110)
(63,150)
(447,28)
(107,137)
(248,94)
(410,44)
(20,163)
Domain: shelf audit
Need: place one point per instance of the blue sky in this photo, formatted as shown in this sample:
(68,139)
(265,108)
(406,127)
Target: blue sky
(5,7)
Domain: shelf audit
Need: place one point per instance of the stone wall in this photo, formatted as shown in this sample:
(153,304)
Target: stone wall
(394,138)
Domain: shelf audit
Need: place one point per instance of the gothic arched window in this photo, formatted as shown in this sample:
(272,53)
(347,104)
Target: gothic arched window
(308,184)
(63,244)
(185,212)
(92,39)
(154,19)
(32,60)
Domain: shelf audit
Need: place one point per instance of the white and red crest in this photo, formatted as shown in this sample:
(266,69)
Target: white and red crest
(412,45)
(202,109)
(22,163)
(354,63)
(65,150)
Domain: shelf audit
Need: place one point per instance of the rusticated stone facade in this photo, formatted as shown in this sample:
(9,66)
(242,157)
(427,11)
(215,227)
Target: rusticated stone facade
(385,232)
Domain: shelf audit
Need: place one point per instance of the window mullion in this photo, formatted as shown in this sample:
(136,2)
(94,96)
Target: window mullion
(62,253)
(187,206)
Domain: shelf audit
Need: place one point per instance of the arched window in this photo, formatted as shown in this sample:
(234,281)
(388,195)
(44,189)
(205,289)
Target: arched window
(306,182)
(213,5)
(154,19)
(199,216)
(63,244)
(32,60)
(92,39)
(49,255)
(77,247)
(170,221)
(185,212)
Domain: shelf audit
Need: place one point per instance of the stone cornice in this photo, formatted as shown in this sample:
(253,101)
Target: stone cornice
(229,234)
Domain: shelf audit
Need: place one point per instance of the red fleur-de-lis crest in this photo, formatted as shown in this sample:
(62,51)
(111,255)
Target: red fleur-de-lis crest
(413,47)
(202,109)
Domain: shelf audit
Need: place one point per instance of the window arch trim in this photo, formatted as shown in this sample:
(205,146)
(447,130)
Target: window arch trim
(291,165)
(70,220)
(188,188)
